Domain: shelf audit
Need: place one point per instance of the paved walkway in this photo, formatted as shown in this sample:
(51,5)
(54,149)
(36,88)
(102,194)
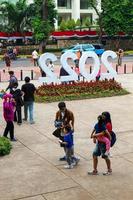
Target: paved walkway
(32,170)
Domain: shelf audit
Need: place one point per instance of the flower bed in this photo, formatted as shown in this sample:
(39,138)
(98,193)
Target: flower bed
(81,90)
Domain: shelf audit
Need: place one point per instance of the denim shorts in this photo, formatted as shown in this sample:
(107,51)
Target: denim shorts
(99,150)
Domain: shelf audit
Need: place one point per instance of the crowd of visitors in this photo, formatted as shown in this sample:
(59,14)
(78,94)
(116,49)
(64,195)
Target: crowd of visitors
(103,136)
(15,98)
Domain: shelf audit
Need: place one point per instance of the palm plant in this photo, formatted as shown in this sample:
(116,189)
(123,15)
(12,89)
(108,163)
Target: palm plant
(18,15)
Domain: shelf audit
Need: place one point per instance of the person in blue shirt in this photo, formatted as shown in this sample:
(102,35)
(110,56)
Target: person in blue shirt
(68,142)
(100,147)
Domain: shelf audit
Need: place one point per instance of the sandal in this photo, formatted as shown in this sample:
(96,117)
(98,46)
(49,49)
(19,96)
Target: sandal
(107,173)
(94,172)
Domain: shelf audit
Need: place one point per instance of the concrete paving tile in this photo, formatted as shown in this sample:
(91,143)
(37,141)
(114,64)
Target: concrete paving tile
(25,174)
(28,135)
(126,137)
(110,187)
(128,157)
(49,150)
(78,171)
(34,198)
(33,169)
(120,148)
(76,193)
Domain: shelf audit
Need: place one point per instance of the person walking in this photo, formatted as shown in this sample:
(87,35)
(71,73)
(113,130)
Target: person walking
(12,81)
(8,113)
(28,90)
(17,95)
(100,150)
(99,132)
(7,61)
(120,54)
(35,57)
(108,123)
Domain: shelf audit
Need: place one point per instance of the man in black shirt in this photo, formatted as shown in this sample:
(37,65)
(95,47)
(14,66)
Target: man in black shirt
(28,89)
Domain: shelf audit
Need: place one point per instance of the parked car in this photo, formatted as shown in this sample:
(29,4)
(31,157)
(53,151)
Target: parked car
(81,47)
(99,50)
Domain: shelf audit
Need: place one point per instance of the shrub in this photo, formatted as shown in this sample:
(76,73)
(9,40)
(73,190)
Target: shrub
(79,90)
(5,146)
(78,22)
(63,25)
(71,24)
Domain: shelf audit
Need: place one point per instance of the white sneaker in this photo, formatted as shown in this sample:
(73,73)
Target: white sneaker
(68,166)
(76,161)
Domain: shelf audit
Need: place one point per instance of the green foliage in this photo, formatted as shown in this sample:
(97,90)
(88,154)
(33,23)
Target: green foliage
(41,29)
(78,22)
(86,22)
(44,18)
(16,16)
(118,16)
(5,146)
(93,3)
(63,25)
(71,24)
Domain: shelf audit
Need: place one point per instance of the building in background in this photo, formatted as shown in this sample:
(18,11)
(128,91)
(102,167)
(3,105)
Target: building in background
(71,9)
(75,9)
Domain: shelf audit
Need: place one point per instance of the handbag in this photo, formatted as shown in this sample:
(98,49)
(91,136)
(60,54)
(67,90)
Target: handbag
(57,133)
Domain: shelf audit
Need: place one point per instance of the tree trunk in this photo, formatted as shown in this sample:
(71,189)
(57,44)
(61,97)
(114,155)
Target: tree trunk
(42,46)
(45,11)
(101,29)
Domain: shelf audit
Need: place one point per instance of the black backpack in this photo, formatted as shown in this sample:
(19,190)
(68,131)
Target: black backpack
(113,138)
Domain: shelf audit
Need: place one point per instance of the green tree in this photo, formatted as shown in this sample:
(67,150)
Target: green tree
(17,16)
(43,22)
(114,16)
(94,5)
(118,16)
